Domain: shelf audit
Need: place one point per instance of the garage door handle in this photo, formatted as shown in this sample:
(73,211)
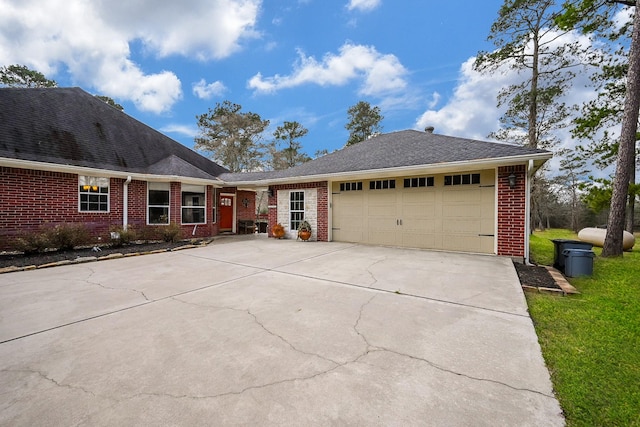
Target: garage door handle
(487,235)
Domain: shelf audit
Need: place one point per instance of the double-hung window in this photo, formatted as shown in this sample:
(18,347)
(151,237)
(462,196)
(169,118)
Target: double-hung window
(158,206)
(93,194)
(296,209)
(194,202)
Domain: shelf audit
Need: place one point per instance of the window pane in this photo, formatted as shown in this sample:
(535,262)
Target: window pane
(447,180)
(193,199)
(466,179)
(342,187)
(158,215)
(392,183)
(193,215)
(430,181)
(456,179)
(93,193)
(475,178)
(158,197)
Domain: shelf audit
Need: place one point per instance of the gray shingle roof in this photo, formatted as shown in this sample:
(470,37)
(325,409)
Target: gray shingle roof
(68,126)
(395,150)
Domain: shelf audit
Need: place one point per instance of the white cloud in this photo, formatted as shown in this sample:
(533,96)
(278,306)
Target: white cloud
(206,91)
(363,5)
(435,99)
(472,112)
(186,130)
(380,74)
(91,40)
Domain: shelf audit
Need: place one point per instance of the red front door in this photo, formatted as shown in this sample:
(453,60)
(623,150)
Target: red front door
(226,213)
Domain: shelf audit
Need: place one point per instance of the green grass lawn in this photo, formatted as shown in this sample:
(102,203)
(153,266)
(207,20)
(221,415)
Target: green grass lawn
(591,341)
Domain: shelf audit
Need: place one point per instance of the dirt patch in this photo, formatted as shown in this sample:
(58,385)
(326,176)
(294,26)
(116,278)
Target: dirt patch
(535,276)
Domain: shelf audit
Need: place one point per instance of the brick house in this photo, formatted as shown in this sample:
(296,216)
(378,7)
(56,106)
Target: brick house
(66,156)
(411,189)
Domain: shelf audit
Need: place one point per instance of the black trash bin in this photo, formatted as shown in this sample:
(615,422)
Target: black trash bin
(578,262)
(561,245)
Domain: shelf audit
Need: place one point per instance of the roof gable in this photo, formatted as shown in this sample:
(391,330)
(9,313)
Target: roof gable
(68,126)
(400,149)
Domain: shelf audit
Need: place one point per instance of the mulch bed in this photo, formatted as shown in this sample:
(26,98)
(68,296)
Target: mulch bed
(20,260)
(535,276)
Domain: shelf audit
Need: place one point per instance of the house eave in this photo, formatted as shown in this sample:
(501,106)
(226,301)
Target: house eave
(466,165)
(83,170)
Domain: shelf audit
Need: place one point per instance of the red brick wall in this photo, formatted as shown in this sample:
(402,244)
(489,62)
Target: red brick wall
(31,199)
(249,211)
(137,214)
(322,208)
(511,212)
(323,213)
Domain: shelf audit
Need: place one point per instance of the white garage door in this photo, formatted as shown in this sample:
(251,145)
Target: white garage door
(449,212)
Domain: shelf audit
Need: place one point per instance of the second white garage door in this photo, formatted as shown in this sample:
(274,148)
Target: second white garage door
(449,212)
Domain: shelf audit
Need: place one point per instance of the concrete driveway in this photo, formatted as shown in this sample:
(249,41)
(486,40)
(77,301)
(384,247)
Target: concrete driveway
(266,332)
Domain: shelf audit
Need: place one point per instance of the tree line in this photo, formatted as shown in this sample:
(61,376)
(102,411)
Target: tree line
(236,139)
(538,39)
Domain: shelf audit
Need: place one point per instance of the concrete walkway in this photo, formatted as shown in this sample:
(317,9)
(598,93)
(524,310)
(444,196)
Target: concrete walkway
(266,332)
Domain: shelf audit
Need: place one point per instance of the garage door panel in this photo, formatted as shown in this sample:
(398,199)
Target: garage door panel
(457,196)
(451,217)
(418,211)
(469,226)
(382,211)
(461,210)
(419,197)
(419,225)
(381,237)
(348,235)
(415,240)
(461,243)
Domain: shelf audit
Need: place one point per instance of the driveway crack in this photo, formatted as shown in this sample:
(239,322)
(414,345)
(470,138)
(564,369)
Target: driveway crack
(92,272)
(460,374)
(47,378)
(263,327)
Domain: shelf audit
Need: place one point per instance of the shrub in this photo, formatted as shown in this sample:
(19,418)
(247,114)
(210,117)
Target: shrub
(171,232)
(119,236)
(33,242)
(68,236)
(148,233)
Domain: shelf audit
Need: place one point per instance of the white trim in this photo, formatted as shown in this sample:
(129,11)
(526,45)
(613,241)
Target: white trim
(527,210)
(150,185)
(79,193)
(330,210)
(199,189)
(496,212)
(125,203)
(304,206)
(82,170)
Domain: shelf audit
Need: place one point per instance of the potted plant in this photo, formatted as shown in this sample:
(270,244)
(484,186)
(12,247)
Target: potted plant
(304,230)
(277,231)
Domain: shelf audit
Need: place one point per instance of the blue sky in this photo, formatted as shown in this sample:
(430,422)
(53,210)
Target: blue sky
(302,60)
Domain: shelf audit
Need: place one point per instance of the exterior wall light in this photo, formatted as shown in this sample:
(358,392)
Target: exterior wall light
(512,180)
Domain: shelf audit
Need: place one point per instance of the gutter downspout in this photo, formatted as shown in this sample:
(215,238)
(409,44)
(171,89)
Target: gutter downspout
(125,203)
(527,212)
